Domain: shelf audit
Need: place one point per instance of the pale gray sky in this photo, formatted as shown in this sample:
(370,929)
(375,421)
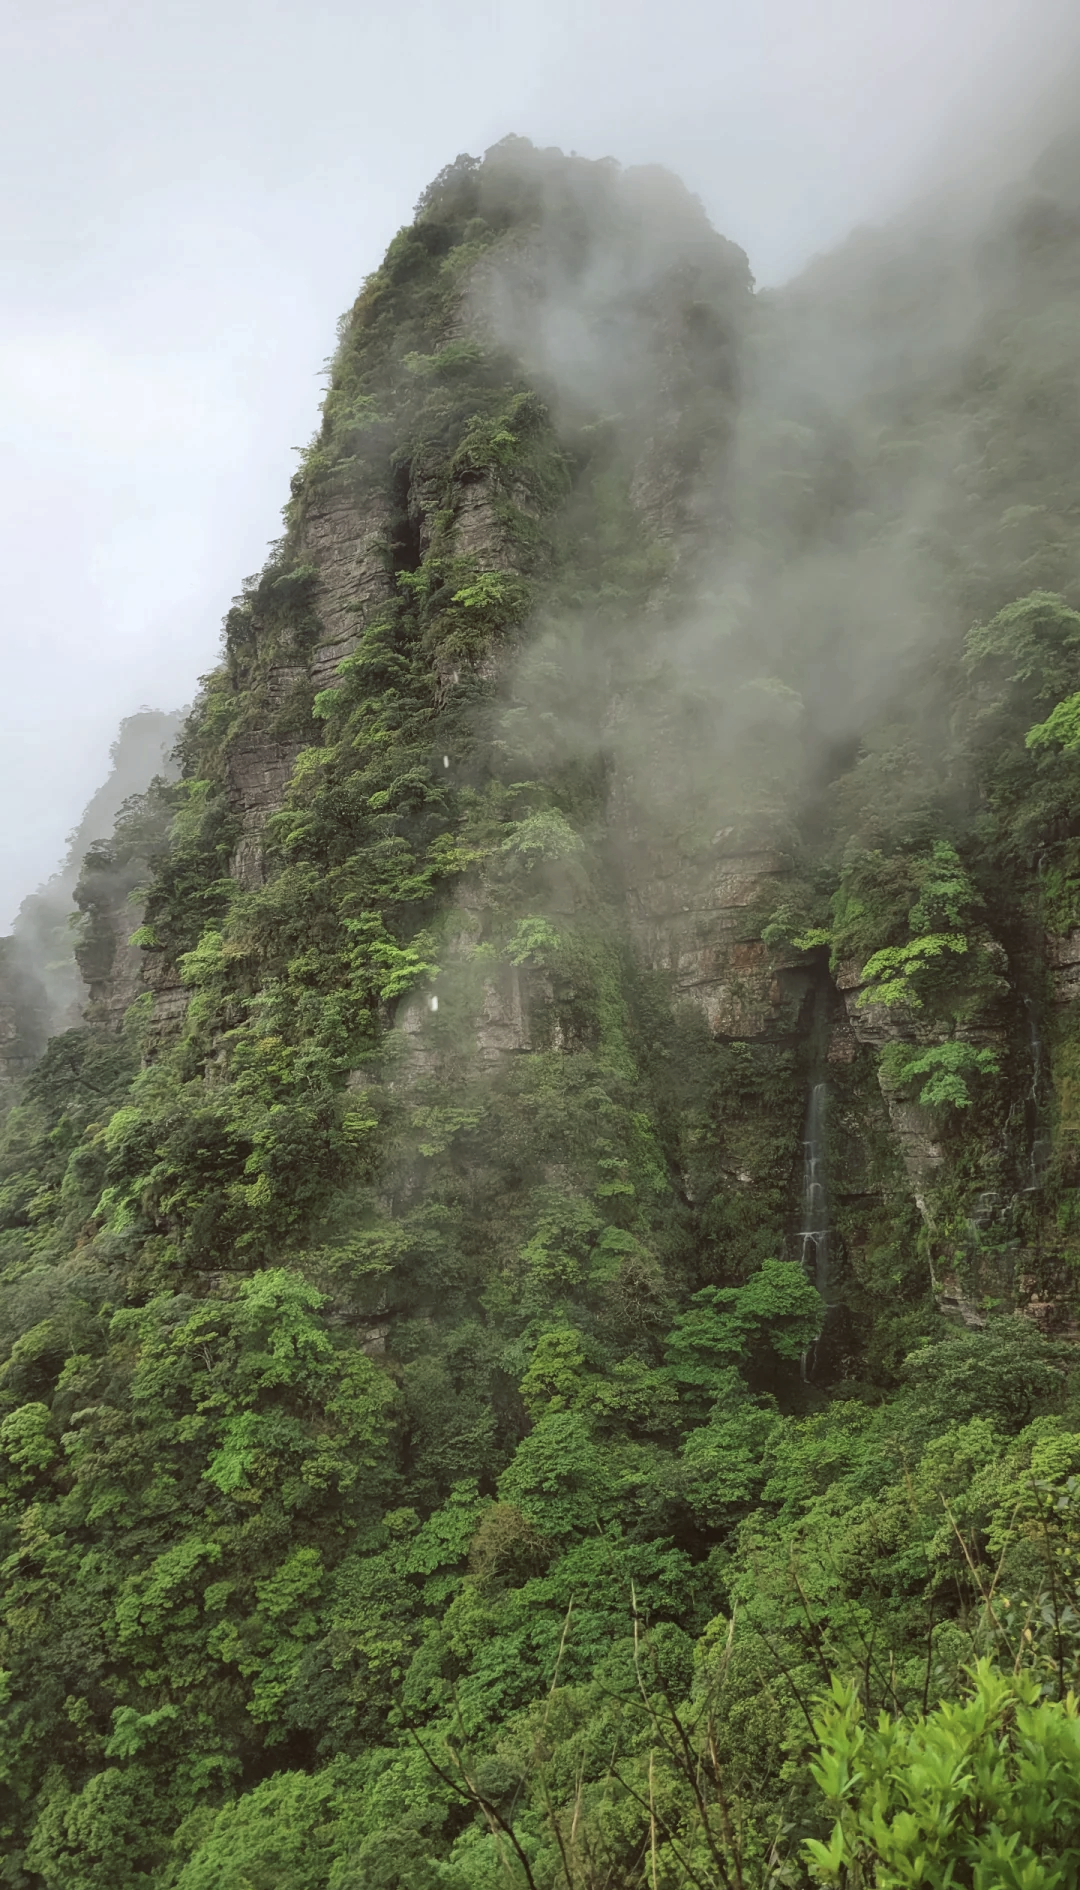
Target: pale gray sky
(194,189)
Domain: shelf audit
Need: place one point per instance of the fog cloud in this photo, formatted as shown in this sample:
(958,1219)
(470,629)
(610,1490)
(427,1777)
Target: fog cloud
(195,189)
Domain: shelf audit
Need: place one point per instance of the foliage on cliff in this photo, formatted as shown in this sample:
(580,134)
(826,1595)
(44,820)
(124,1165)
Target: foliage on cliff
(423,1460)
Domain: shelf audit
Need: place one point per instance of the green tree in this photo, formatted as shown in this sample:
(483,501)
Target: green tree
(774,1317)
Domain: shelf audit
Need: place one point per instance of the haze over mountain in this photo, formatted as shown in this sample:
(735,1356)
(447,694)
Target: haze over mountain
(540,1296)
(195,190)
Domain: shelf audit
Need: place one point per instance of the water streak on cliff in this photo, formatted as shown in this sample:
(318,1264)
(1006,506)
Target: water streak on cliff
(1038,1141)
(814,1233)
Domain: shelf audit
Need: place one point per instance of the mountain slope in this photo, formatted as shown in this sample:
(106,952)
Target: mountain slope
(608,988)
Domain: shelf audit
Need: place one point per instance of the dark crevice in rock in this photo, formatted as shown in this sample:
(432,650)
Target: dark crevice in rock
(405,536)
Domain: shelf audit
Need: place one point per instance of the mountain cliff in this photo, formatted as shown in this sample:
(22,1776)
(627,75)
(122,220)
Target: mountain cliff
(582,1149)
(42,987)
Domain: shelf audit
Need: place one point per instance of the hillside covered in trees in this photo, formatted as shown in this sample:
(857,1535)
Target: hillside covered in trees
(541,1297)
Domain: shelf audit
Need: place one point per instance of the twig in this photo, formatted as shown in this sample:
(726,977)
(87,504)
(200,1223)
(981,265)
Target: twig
(666,1829)
(652,1823)
(473,1796)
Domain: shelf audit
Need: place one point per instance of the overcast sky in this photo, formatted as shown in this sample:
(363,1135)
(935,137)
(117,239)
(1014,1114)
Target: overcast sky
(194,189)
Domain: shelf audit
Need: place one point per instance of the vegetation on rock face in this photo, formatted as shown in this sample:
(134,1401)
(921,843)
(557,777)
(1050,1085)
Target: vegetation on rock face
(426,1461)
(41,992)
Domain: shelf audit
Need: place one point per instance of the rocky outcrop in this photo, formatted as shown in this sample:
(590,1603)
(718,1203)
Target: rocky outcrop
(1046,1293)
(1062,955)
(171,998)
(48,973)
(913,1126)
(113,968)
(24,1013)
(258,767)
(702,925)
(504,1026)
(478,530)
(346,535)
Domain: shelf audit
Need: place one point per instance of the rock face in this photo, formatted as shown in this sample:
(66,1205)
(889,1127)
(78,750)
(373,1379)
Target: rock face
(40,974)
(530,453)
(1063,965)
(703,928)
(346,537)
(912,1126)
(504,1025)
(23,1014)
(673,304)
(259,766)
(170,998)
(351,541)
(878,1025)
(111,967)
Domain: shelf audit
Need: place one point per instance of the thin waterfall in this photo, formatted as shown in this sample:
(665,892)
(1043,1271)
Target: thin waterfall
(1039,1144)
(1035,1040)
(814,1232)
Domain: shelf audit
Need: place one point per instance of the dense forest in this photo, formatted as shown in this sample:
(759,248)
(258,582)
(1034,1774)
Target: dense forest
(538,1299)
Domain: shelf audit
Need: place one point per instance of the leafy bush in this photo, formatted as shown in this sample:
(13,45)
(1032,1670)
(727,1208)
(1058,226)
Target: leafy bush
(941,1073)
(984,1790)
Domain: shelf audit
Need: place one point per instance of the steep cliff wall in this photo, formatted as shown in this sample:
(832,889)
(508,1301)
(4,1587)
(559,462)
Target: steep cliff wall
(43,988)
(582,674)
(583,1066)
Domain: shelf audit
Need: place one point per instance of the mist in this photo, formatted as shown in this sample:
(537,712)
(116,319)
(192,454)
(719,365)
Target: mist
(813,466)
(195,192)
